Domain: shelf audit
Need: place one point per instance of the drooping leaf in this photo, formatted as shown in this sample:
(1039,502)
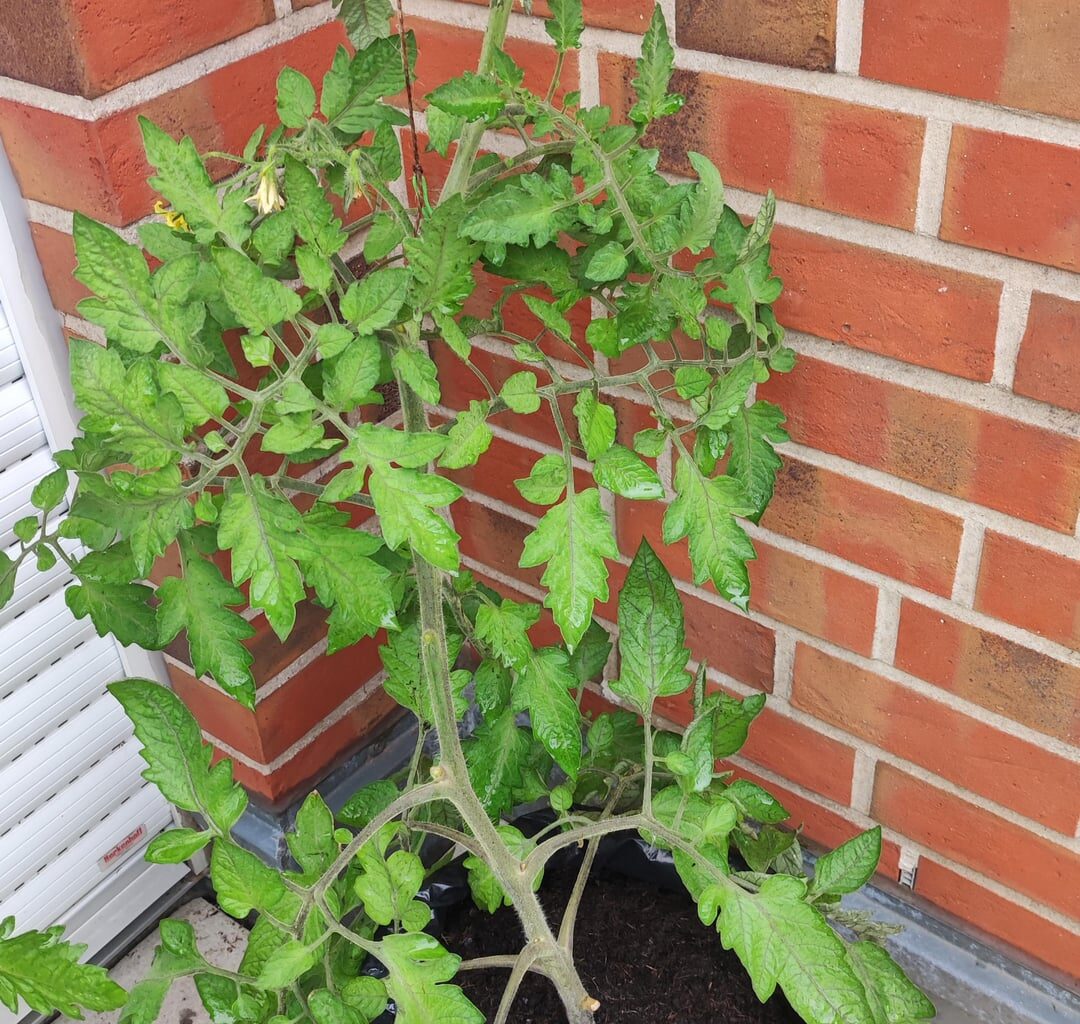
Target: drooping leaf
(704,511)
(199,602)
(43,970)
(754,462)
(574,538)
(543,689)
(405,500)
(782,940)
(892,997)
(262,530)
(850,866)
(596,424)
(419,372)
(652,651)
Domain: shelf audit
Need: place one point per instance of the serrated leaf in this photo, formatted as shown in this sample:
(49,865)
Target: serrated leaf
(44,971)
(596,424)
(368,802)
(782,940)
(469,96)
(201,397)
(244,883)
(183,180)
(198,602)
(417,370)
(366,21)
(374,301)
(565,24)
(122,609)
(754,462)
(652,651)
(441,261)
(295,98)
(176,845)
(704,511)
(404,500)
(496,755)
(418,971)
(336,563)
(312,215)
(178,762)
(532,209)
(608,263)
(543,689)
(620,471)
(892,997)
(753,801)
(573,538)
(706,206)
(468,438)
(262,530)
(259,302)
(388,886)
(654,69)
(353,373)
(546,481)
(504,628)
(548,314)
(850,866)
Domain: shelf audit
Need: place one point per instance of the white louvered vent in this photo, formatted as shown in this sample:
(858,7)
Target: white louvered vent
(74,809)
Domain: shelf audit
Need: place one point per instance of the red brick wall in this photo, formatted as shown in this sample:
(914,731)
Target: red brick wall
(915,615)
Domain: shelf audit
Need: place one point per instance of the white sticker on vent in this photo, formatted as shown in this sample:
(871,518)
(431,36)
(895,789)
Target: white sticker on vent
(112,857)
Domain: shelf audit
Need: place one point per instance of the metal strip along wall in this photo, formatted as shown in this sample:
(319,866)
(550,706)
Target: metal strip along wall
(75,813)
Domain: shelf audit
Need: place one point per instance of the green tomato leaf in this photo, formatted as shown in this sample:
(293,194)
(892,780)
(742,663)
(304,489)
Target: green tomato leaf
(565,24)
(596,424)
(652,651)
(295,98)
(519,392)
(608,263)
(468,439)
(404,500)
(469,96)
(417,370)
(418,971)
(620,471)
(704,511)
(259,302)
(497,754)
(546,481)
(543,689)
(374,301)
(654,69)
(176,845)
(505,629)
(754,462)
(573,538)
(850,866)
(892,997)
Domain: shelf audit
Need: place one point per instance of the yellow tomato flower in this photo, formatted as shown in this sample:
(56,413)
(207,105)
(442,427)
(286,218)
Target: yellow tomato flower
(174,219)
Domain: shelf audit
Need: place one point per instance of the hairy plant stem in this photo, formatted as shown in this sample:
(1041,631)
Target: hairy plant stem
(453,771)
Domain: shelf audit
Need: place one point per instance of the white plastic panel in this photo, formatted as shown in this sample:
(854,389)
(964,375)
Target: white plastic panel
(21,432)
(16,483)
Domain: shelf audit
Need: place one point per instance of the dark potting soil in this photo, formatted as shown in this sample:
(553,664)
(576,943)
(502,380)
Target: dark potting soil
(640,950)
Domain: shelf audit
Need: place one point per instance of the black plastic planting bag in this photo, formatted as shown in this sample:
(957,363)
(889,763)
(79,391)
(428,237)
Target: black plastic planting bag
(623,852)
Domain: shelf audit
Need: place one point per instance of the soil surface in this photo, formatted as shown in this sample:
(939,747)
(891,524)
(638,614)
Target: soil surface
(641,951)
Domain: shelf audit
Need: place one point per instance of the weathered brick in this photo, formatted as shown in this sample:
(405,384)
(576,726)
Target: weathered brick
(1030,587)
(822,826)
(1020,927)
(800,34)
(866,525)
(977,838)
(287,714)
(100,168)
(1015,54)
(1014,467)
(624,15)
(445,51)
(88,47)
(810,149)
(801,754)
(893,305)
(1012,680)
(1047,367)
(1014,196)
(294,778)
(785,586)
(1011,772)
(56,254)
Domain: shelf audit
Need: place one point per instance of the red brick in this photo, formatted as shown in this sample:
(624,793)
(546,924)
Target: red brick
(730,643)
(1047,367)
(801,34)
(625,15)
(810,149)
(801,754)
(1030,587)
(787,587)
(895,306)
(286,715)
(822,826)
(1014,54)
(866,525)
(1019,469)
(56,254)
(1020,927)
(494,539)
(977,839)
(987,669)
(99,167)
(117,43)
(1014,196)
(358,728)
(445,51)
(1019,775)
